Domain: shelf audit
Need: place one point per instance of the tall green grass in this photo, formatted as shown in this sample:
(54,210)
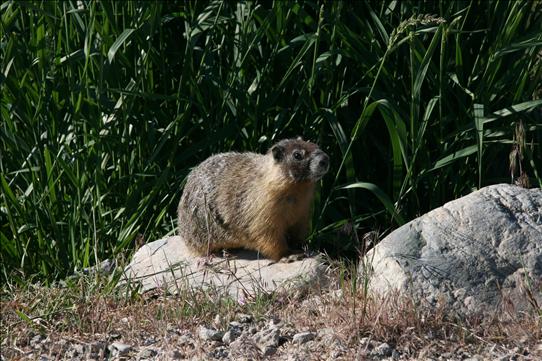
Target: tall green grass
(107,105)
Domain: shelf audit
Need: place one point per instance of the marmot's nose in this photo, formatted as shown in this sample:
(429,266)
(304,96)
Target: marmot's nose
(323,162)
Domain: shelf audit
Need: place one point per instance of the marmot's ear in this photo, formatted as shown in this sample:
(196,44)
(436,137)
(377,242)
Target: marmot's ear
(278,152)
(299,138)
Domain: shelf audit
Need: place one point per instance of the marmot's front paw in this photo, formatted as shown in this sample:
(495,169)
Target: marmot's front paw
(292,258)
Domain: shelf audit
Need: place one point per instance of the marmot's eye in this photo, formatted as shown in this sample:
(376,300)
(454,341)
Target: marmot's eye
(298,155)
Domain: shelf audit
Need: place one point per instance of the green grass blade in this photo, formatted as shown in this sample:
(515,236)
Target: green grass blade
(118,43)
(383,197)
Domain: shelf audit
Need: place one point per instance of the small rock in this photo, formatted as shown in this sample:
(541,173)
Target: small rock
(367,343)
(185,340)
(326,331)
(269,350)
(236,324)
(252,330)
(95,347)
(267,338)
(176,355)
(244,348)
(231,335)
(303,337)
(147,354)
(219,353)
(150,340)
(74,352)
(114,336)
(119,348)
(244,318)
(293,357)
(337,353)
(79,349)
(208,334)
(382,350)
(328,337)
(36,340)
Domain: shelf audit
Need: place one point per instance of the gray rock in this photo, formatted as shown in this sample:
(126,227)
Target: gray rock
(96,347)
(75,351)
(230,335)
(148,353)
(382,350)
(269,350)
(219,353)
(176,355)
(168,263)
(236,324)
(119,348)
(303,337)
(267,340)
(36,340)
(244,318)
(475,253)
(208,334)
(186,340)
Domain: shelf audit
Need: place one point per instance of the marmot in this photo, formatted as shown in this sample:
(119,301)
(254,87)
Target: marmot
(253,201)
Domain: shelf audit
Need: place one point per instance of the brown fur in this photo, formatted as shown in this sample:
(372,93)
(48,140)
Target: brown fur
(253,201)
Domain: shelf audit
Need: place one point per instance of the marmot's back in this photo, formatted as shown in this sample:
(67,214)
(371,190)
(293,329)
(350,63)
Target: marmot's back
(249,200)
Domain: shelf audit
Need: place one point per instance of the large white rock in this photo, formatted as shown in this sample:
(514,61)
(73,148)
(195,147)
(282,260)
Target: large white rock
(169,264)
(479,253)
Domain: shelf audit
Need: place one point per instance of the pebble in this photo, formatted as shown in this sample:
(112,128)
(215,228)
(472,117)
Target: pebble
(176,355)
(244,318)
(236,324)
(78,349)
(147,353)
(119,348)
(186,339)
(267,338)
(382,350)
(95,347)
(208,334)
(219,352)
(36,340)
(269,350)
(303,337)
(231,335)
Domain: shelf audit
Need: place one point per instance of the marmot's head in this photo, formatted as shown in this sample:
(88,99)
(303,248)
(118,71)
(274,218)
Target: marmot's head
(301,161)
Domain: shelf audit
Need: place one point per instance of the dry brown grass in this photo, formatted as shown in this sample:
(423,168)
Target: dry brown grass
(80,312)
(412,327)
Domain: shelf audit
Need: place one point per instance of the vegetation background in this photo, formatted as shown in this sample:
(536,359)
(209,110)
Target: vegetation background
(106,105)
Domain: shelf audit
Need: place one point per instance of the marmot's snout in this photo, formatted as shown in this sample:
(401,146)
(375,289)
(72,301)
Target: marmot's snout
(319,164)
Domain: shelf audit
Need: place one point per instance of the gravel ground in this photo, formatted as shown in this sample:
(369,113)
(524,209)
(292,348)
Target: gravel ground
(247,339)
